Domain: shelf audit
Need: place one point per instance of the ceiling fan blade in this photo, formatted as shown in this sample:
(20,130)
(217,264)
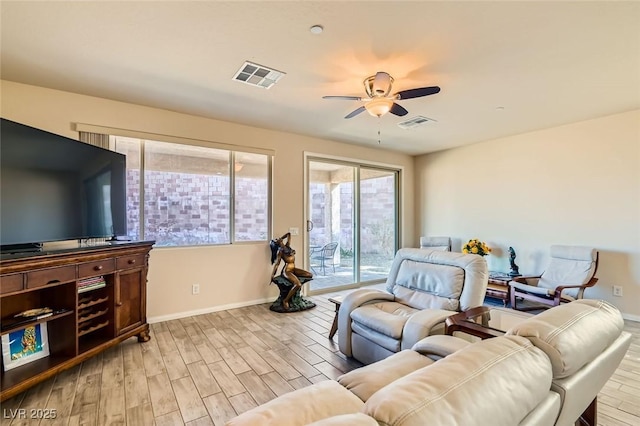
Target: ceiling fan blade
(417,93)
(348,98)
(398,110)
(355,112)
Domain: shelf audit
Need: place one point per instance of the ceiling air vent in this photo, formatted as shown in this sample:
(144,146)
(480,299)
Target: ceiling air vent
(258,75)
(414,122)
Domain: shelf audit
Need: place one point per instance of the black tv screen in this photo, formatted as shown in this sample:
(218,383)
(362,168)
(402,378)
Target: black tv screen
(53,188)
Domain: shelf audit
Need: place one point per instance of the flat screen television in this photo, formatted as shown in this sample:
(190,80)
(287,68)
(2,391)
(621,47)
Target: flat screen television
(53,188)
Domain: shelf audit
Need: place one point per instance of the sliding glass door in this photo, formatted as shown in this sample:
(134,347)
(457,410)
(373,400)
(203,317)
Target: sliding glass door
(331,224)
(352,224)
(378,222)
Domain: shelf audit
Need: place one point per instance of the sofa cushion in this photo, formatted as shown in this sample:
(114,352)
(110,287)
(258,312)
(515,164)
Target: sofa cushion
(356,419)
(365,381)
(428,285)
(429,279)
(303,406)
(572,334)
(387,318)
(371,336)
(494,382)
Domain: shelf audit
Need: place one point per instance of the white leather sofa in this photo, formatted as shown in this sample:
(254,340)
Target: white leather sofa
(546,370)
(424,287)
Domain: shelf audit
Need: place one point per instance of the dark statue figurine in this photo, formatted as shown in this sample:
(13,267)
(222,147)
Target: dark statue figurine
(290,280)
(515,271)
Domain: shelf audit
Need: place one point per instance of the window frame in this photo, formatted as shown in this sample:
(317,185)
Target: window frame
(358,164)
(232,196)
(233,149)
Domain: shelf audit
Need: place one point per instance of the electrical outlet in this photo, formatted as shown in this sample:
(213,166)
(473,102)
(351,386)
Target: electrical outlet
(294,231)
(195,289)
(617,290)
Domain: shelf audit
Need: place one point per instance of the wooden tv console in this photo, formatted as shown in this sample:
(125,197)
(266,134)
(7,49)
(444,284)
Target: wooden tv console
(83,323)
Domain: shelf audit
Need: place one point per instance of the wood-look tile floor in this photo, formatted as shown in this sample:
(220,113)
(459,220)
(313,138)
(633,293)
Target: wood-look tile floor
(206,369)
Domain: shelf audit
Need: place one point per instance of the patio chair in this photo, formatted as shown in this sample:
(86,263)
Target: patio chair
(325,256)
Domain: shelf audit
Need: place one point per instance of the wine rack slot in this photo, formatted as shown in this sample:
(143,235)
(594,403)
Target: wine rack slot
(91,315)
(87,302)
(84,330)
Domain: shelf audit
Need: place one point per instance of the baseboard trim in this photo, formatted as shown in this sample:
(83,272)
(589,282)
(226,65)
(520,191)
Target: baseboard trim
(630,317)
(203,311)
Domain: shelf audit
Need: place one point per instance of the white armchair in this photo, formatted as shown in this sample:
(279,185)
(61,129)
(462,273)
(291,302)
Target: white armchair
(424,287)
(570,271)
(436,243)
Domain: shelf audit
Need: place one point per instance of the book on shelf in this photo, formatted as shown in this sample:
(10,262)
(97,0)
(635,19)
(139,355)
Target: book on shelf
(91,284)
(19,320)
(499,275)
(91,287)
(90,281)
(29,313)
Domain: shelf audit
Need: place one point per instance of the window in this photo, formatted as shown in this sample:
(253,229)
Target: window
(189,191)
(251,197)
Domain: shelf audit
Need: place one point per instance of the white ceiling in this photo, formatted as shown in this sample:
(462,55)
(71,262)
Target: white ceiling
(545,63)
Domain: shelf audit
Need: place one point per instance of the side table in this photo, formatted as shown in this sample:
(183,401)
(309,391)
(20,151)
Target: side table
(484,321)
(499,287)
(337,300)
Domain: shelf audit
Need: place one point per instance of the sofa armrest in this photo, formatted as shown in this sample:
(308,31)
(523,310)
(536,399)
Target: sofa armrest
(581,287)
(437,347)
(527,279)
(301,407)
(365,381)
(350,302)
(422,324)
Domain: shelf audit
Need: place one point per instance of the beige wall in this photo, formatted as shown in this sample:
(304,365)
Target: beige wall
(230,275)
(577,184)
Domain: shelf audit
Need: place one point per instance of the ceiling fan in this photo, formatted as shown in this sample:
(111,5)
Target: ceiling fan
(378,101)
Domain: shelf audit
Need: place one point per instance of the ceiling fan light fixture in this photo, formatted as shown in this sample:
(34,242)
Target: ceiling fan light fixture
(379,106)
(379,85)
(379,101)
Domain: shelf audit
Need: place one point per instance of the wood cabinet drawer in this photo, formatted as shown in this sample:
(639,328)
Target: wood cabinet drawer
(98,267)
(41,277)
(133,261)
(11,283)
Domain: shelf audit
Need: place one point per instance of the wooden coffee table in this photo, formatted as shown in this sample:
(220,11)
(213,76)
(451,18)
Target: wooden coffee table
(337,300)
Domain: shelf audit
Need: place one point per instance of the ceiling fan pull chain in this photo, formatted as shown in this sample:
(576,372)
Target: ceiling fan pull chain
(379,130)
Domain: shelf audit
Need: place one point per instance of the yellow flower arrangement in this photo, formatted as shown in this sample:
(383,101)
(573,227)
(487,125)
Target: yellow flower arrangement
(476,246)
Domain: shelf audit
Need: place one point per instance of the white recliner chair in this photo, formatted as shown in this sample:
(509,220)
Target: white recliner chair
(424,287)
(436,243)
